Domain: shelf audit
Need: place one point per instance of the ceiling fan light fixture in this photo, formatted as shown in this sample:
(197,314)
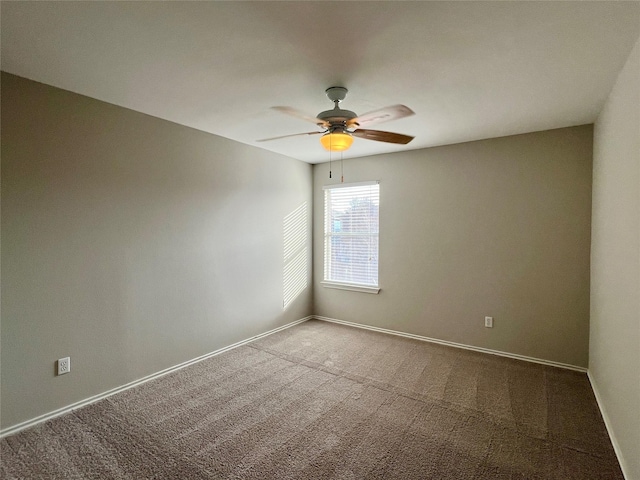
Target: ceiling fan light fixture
(336,141)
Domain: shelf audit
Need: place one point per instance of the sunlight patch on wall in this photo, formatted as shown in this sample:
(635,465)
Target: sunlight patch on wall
(295,254)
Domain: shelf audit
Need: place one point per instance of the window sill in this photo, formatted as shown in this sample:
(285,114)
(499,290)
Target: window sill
(351,286)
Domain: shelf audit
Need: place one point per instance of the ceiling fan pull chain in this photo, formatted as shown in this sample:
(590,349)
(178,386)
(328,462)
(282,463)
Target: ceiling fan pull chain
(330,150)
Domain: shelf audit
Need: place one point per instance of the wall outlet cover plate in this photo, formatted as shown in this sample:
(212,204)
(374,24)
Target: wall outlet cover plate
(64,365)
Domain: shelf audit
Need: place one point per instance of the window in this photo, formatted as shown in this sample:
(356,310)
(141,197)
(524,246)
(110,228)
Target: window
(351,213)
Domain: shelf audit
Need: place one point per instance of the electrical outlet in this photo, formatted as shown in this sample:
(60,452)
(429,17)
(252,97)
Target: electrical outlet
(488,322)
(64,365)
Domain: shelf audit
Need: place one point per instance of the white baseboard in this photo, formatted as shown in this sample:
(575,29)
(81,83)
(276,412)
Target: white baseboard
(74,406)
(607,424)
(457,345)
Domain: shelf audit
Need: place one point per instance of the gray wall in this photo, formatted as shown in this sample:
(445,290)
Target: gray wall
(498,227)
(614,349)
(131,244)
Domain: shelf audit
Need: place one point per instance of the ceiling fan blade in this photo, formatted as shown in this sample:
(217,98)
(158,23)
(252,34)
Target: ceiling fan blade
(286,136)
(381,115)
(380,136)
(302,116)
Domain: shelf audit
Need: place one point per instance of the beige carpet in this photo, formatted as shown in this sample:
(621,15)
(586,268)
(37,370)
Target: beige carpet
(321,401)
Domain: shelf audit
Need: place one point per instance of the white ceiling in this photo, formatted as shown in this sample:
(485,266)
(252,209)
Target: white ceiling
(470,70)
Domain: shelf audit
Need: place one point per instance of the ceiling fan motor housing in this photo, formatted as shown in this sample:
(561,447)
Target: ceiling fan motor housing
(336,117)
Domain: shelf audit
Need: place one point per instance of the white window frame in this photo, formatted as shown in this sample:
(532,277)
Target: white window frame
(328,234)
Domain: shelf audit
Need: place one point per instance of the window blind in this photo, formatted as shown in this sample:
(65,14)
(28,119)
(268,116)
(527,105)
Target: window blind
(351,229)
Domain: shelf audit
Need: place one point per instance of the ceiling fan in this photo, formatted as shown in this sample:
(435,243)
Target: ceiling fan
(340,126)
